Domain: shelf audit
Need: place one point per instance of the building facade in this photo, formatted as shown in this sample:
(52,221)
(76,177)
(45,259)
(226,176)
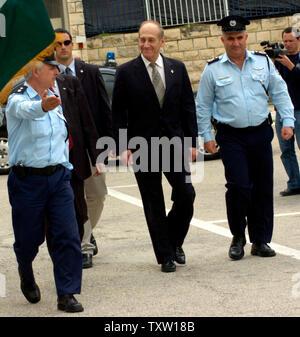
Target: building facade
(193,44)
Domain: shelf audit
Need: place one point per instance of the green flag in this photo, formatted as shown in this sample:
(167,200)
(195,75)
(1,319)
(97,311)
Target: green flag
(25,31)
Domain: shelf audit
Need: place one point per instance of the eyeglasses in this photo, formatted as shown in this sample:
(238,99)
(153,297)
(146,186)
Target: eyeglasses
(65,43)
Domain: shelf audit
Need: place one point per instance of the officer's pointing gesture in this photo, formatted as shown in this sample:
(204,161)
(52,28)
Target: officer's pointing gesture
(49,102)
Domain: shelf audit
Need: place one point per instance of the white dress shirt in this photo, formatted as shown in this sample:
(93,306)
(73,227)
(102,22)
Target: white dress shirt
(159,65)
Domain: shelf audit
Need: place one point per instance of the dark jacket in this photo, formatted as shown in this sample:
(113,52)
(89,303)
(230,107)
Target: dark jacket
(94,88)
(292,79)
(80,125)
(135,106)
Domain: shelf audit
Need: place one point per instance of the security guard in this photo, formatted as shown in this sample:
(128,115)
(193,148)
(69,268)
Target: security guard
(38,185)
(237,85)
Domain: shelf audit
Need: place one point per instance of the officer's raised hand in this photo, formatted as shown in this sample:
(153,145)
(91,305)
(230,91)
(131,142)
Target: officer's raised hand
(49,102)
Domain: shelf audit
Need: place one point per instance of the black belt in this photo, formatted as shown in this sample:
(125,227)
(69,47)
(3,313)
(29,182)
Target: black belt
(23,171)
(222,126)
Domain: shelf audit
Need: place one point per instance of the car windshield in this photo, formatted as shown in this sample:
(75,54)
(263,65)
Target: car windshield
(109,80)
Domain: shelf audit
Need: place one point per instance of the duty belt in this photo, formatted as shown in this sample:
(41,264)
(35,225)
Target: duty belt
(222,126)
(22,171)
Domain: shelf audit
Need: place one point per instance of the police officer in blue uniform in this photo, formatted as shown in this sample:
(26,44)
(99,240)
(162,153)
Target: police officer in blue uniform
(237,85)
(38,185)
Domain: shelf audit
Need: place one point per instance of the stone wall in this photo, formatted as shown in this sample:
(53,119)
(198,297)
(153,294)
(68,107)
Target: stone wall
(193,44)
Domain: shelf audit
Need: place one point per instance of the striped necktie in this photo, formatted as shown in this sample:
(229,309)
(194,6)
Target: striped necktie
(158,84)
(68,71)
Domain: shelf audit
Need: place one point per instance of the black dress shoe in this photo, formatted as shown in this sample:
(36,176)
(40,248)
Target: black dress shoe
(168,266)
(179,255)
(68,303)
(93,241)
(262,249)
(30,290)
(287,192)
(236,250)
(87,261)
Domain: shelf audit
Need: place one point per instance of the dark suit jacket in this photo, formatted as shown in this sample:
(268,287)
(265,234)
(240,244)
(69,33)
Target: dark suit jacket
(135,106)
(94,88)
(80,125)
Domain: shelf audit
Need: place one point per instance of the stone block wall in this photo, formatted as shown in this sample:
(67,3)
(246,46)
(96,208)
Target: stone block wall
(193,45)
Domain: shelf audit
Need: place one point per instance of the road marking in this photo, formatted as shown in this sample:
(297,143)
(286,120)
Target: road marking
(275,215)
(210,225)
(124,186)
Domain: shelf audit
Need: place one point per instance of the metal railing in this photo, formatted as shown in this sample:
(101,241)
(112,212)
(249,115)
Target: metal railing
(115,16)
(181,12)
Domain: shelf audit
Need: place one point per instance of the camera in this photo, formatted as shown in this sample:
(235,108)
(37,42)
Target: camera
(273,50)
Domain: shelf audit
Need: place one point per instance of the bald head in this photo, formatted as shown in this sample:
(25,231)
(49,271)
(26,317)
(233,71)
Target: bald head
(151,39)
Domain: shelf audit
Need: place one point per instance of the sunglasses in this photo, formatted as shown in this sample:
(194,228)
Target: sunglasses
(66,43)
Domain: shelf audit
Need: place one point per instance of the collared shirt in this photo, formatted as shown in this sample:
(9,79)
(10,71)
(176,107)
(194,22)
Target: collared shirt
(35,138)
(159,66)
(237,97)
(62,67)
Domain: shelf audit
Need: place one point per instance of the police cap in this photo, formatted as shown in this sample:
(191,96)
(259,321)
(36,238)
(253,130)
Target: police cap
(233,23)
(50,60)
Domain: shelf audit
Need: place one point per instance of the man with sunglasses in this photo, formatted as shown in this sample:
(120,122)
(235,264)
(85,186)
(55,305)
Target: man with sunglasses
(94,88)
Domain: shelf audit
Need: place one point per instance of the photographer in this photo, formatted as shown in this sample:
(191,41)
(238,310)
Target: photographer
(289,68)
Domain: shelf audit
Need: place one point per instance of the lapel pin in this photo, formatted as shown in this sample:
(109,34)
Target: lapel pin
(172,71)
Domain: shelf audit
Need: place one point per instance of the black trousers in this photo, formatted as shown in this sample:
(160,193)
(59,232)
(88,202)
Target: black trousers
(248,162)
(167,231)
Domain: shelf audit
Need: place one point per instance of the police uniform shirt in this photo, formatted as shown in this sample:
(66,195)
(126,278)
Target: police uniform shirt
(237,97)
(36,138)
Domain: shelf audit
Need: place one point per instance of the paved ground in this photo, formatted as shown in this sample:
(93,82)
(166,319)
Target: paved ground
(126,281)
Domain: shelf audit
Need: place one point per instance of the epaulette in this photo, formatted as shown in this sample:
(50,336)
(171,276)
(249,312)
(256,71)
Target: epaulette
(260,53)
(19,90)
(213,60)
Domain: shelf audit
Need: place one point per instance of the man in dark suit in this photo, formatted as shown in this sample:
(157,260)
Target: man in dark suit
(98,102)
(83,137)
(152,99)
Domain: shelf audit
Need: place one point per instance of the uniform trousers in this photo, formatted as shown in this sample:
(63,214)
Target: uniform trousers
(33,198)
(167,231)
(248,162)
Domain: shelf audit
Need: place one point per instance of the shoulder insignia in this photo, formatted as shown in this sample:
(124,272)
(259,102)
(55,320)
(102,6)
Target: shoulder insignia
(263,54)
(19,90)
(260,53)
(213,60)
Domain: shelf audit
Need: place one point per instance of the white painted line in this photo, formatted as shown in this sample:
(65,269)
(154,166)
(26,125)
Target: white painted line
(275,215)
(208,225)
(124,186)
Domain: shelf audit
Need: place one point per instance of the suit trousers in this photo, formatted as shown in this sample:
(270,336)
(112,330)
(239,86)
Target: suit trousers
(79,203)
(95,192)
(248,162)
(32,199)
(167,231)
